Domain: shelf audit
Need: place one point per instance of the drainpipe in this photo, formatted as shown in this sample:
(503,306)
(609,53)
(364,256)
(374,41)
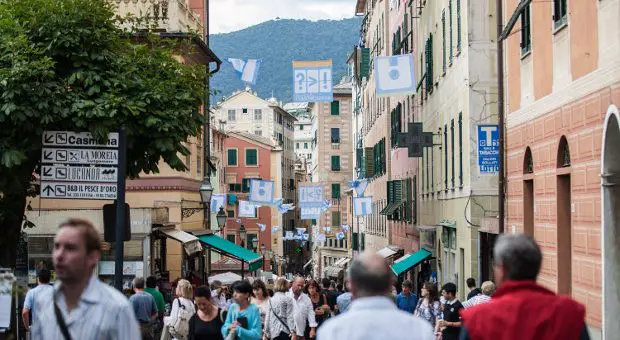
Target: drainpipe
(500,113)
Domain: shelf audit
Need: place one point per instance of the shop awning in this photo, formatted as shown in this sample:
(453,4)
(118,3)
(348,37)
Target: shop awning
(342,262)
(227,248)
(389,209)
(410,261)
(191,244)
(333,271)
(388,251)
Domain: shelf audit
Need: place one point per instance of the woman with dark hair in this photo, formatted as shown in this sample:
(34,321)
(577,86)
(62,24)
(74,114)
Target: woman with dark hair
(207,323)
(429,307)
(243,318)
(260,298)
(319,303)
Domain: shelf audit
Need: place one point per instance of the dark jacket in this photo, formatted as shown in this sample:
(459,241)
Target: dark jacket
(525,310)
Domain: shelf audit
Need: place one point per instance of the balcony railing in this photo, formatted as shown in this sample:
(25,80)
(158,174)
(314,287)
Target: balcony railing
(163,15)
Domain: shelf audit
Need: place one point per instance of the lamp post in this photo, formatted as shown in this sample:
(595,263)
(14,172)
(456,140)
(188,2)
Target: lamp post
(221,218)
(263,251)
(242,235)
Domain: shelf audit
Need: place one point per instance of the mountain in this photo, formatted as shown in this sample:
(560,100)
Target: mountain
(279,42)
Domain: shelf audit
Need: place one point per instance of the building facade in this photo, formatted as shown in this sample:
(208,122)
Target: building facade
(332,167)
(563,90)
(245,111)
(303,139)
(249,156)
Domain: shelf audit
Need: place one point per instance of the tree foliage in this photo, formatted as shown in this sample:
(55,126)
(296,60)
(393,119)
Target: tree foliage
(66,65)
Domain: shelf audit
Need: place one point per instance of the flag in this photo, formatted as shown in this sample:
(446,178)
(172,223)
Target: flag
(247,70)
(359,185)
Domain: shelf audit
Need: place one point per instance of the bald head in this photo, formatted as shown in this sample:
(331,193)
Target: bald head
(370,275)
(298,285)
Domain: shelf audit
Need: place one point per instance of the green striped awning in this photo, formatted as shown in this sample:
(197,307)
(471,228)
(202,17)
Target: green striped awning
(410,261)
(227,248)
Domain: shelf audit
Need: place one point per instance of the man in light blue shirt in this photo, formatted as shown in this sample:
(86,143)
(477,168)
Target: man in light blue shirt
(372,314)
(343,301)
(88,308)
(43,280)
(145,308)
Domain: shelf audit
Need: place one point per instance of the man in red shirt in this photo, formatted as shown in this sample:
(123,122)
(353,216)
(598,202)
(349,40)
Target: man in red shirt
(521,308)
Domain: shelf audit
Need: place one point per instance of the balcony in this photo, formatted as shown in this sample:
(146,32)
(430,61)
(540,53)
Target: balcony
(164,15)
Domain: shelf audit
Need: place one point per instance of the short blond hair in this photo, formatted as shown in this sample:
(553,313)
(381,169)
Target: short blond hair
(281,285)
(488,288)
(187,291)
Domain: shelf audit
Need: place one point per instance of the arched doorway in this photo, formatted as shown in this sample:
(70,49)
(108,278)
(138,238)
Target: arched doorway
(564,221)
(610,174)
(528,193)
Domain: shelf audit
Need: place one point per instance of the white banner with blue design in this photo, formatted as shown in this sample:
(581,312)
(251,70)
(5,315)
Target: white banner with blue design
(247,70)
(362,206)
(217,201)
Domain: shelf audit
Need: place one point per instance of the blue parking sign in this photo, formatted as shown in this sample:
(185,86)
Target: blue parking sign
(488,149)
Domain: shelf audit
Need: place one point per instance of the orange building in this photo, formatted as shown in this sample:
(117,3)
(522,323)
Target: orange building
(562,86)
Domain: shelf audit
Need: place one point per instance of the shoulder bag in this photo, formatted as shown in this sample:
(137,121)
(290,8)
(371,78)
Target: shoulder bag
(61,322)
(278,317)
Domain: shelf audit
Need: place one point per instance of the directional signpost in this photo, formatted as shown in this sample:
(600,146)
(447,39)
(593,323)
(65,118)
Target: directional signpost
(75,165)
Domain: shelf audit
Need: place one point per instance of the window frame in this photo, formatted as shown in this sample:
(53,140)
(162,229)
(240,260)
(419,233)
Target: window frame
(247,164)
(236,150)
(338,167)
(560,8)
(337,139)
(336,189)
(234,115)
(334,108)
(260,114)
(526,31)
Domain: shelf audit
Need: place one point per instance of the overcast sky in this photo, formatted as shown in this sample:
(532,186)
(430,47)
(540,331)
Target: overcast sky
(233,15)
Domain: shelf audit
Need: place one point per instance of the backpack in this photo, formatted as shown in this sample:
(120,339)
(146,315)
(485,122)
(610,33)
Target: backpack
(179,327)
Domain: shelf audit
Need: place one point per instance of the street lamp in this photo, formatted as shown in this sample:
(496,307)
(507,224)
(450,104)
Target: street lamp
(242,234)
(221,218)
(206,190)
(263,251)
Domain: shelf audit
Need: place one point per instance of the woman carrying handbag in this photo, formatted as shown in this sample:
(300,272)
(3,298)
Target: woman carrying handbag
(279,317)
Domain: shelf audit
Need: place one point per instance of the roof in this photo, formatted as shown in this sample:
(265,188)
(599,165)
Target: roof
(253,138)
(296,106)
(201,53)
(283,111)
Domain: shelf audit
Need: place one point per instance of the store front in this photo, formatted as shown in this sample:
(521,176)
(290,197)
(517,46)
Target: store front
(488,232)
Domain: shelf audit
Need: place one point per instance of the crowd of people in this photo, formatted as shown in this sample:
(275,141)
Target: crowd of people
(80,306)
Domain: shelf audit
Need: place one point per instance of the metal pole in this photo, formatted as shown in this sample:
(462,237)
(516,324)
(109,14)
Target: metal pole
(500,114)
(120,211)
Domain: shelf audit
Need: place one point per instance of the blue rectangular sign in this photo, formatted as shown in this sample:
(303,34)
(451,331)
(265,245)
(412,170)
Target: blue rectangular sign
(488,149)
(312,81)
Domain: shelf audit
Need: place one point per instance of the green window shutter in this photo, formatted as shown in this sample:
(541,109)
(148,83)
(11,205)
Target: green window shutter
(355,239)
(245,185)
(443,47)
(458,25)
(450,20)
(397,197)
(335,108)
(390,191)
(363,242)
(335,163)
(370,165)
(335,218)
(414,201)
(408,200)
(251,157)
(365,62)
(335,190)
(232,157)
(429,64)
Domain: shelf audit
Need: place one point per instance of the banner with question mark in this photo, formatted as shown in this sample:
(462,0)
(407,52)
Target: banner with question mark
(312,81)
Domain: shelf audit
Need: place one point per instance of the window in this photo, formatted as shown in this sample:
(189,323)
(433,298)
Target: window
(396,127)
(231,115)
(445,147)
(559,13)
(231,214)
(232,157)
(335,218)
(231,237)
(526,32)
(305,145)
(296,145)
(443,33)
(461,149)
(301,126)
(235,187)
(429,63)
(335,108)
(450,39)
(458,26)
(335,135)
(249,244)
(452,148)
(244,110)
(335,163)
(258,114)
(245,185)
(291,184)
(336,190)
(258,132)
(280,118)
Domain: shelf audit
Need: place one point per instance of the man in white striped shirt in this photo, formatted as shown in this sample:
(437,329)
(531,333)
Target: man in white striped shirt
(488,288)
(80,307)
